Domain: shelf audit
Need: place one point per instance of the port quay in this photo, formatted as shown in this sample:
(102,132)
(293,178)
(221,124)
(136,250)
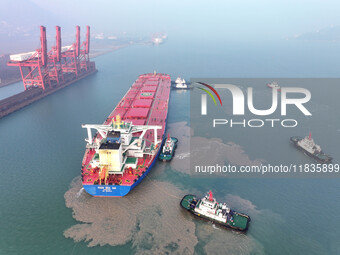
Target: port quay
(45,72)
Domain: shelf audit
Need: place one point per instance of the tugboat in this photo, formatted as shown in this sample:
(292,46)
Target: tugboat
(274,85)
(313,150)
(180,83)
(168,149)
(207,208)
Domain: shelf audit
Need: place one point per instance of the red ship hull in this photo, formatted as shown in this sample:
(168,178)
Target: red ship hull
(145,103)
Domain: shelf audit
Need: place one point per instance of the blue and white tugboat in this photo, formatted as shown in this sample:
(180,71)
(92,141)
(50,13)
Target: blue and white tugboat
(168,149)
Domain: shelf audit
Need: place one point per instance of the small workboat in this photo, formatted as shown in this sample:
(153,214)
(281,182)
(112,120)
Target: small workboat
(274,85)
(312,149)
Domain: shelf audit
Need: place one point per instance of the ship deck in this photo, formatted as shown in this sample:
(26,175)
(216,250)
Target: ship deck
(239,221)
(186,200)
(145,103)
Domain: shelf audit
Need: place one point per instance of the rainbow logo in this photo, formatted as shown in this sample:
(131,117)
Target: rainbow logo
(209,93)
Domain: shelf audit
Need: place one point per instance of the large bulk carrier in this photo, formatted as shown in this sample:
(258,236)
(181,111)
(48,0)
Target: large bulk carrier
(127,144)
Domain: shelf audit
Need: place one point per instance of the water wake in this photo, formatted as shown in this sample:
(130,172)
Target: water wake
(195,148)
(79,192)
(149,218)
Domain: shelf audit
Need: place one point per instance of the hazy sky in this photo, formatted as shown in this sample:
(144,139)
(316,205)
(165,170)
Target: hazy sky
(240,18)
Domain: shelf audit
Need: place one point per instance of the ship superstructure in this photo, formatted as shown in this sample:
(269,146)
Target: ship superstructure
(125,146)
(309,145)
(180,83)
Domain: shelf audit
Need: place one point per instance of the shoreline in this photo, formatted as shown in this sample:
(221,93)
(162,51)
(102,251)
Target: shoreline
(4,84)
(101,51)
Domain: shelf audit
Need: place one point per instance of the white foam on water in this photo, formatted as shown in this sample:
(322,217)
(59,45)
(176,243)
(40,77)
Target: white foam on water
(183,155)
(79,192)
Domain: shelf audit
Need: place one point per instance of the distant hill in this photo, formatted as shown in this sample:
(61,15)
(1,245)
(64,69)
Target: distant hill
(326,34)
(19,25)
(19,17)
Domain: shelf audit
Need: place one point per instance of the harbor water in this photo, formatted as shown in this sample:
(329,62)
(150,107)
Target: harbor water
(45,211)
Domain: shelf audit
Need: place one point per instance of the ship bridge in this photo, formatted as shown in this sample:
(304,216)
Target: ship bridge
(126,130)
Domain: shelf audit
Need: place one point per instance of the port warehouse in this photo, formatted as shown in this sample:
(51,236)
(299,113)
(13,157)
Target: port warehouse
(44,72)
